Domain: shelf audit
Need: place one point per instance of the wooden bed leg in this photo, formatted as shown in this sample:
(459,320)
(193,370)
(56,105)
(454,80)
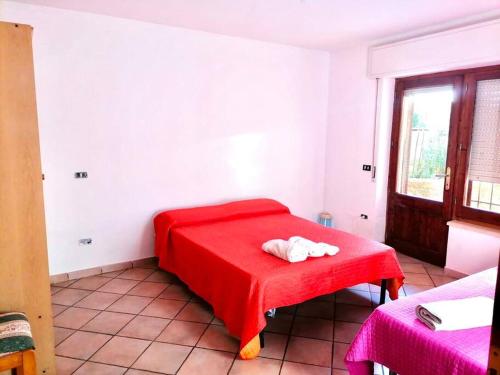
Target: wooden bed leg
(383,289)
(261,338)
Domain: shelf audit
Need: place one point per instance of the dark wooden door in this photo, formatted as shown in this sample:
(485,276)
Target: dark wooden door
(422,165)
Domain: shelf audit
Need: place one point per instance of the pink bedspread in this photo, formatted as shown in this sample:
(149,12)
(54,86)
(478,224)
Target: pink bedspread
(394,337)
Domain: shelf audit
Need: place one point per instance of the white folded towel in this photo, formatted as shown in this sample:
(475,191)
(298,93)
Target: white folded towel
(456,314)
(286,251)
(329,249)
(313,250)
(297,249)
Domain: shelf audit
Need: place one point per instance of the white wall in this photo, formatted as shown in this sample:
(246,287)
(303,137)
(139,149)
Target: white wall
(163,117)
(350,191)
(472,248)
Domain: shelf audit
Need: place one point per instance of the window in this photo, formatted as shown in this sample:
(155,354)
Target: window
(483,195)
(483,175)
(478,175)
(423,140)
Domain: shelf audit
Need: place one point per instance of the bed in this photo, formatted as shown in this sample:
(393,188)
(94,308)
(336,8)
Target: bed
(216,251)
(394,337)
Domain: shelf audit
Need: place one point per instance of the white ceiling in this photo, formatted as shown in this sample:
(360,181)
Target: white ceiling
(321,24)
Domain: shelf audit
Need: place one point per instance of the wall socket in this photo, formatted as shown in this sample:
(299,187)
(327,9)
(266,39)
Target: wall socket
(85,241)
(367,167)
(81,175)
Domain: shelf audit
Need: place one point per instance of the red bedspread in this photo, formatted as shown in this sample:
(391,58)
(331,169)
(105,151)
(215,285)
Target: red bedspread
(217,252)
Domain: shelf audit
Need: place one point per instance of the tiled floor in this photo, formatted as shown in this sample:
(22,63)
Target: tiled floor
(143,321)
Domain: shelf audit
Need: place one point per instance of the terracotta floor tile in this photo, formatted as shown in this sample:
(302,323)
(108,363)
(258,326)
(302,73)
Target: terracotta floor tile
(279,324)
(65,284)
(203,361)
(315,328)
(74,317)
(90,283)
(178,292)
(316,309)
(195,312)
(345,332)
(144,327)
(337,371)
(415,278)
(354,297)
(164,358)
(147,289)
(55,289)
(287,310)
(217,337)
(120,286)
(413,267)
(139,372)
(441,280)
(376,297)
(413,289)
(108,322)
(309,351)
(363,287)
(290,368)
(136,273)
(374,288)
(217,321)
(66,366)
(98,300)
(163,308)
(61,334)
(406,259)
(275,345)
(111,274)
(121,351)
(82,345)
(90,368)
(69,297)
(257,366)
(326,297)
(130,304)
(160,277)
(434,270)
(57,309)
(352,313)
(339,351)
(182,333)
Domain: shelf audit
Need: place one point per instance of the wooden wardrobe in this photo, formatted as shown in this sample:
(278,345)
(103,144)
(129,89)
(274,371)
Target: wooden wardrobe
(24,276)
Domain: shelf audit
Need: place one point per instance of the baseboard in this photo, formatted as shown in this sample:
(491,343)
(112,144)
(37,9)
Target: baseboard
(149,262)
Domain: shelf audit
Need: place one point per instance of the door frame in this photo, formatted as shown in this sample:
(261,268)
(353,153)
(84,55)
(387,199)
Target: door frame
(443,209)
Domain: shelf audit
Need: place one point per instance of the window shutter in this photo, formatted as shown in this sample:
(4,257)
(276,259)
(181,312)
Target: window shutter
(484,164)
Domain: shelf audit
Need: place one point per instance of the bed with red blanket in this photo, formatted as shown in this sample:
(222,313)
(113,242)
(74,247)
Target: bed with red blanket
(216,251)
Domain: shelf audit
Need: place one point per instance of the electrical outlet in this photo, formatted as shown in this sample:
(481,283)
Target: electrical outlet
(85,241)
(367,167)
(81,175)
(364,216)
